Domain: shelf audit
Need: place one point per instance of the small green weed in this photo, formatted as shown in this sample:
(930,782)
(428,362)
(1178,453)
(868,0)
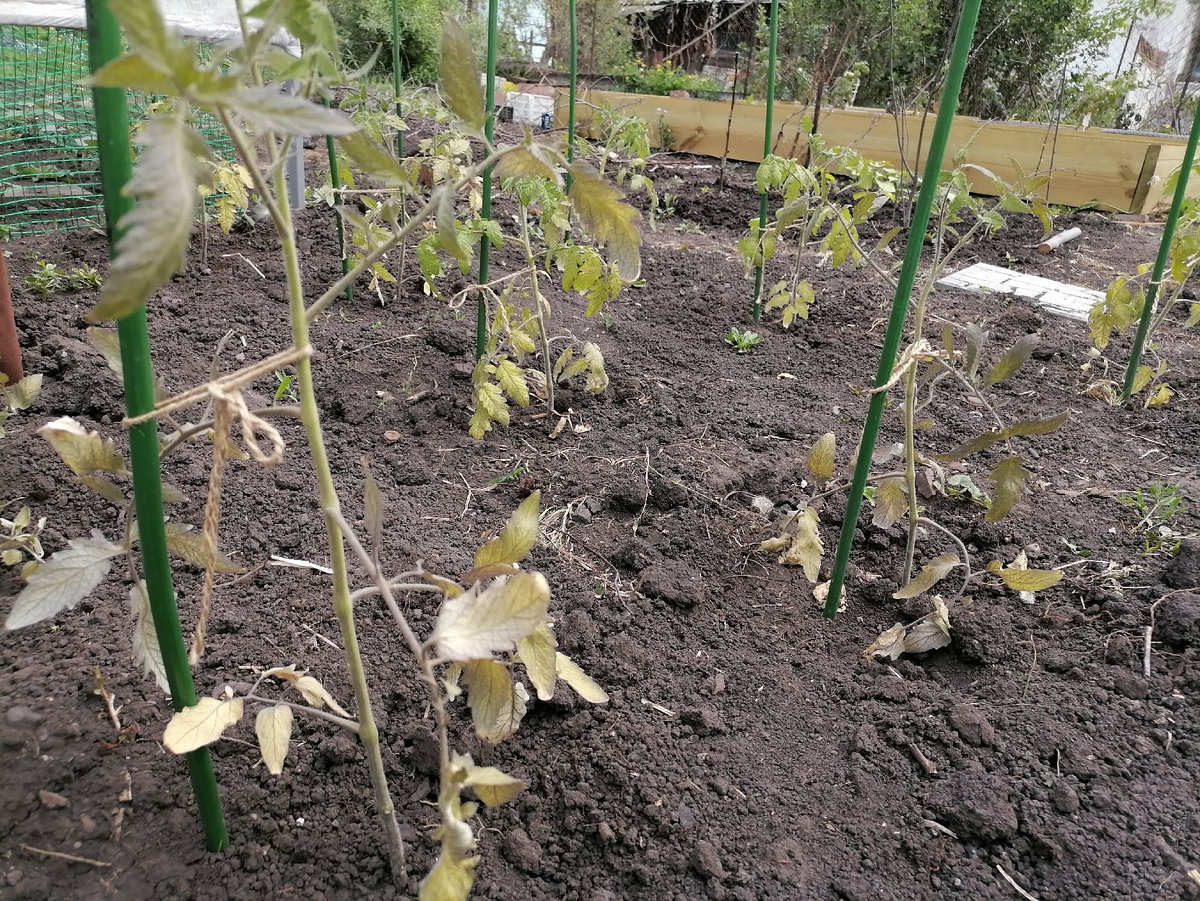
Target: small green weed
(742,341)
(1158,503)
(49,278)
(285,389)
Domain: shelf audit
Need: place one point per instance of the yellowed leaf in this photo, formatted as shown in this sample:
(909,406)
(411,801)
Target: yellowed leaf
(106,341)
(820,461)
(183,542)
(583,684)
(63,581)
(449,880)
(931,633)
(83,451)
(891,502)
(517,539)
(195,727)
(460,78)
(931,573)
(273,726)
(888,644)
(316,694)
(103,487)
(537,652)
(497,706)
(610,222)
(806,548)
(146,651)
(492,786)
(475,624)
(1027,579)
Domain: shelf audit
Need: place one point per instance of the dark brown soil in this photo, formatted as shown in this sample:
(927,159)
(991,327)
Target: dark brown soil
(748,751)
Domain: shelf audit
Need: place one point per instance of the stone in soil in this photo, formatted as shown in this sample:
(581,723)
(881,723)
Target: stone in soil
(1178,620)
(975,805)
(1184,569)
(972,725)
(523,852)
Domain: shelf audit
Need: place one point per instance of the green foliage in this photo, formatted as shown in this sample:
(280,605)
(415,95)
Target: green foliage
(1157,505)
(662,79)
(367,24)
(49,278)
(884,54)
(604,44)
(17,397)
(742,341)
(821,215)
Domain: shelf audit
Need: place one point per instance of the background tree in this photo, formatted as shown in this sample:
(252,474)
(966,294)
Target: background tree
(367,24)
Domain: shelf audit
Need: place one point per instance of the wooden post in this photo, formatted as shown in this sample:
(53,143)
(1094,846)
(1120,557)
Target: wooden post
(10,347)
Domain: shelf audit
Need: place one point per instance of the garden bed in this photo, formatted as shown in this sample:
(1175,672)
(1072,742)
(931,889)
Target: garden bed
(748,751)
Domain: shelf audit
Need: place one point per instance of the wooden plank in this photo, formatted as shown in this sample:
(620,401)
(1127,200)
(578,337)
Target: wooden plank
(1090,166)
(1169,160)
(1056,298)
(1146,178)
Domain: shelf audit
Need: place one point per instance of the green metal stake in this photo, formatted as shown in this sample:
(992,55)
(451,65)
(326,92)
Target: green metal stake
(396,74)
(571,96)
(116,168)
(1164,253)
(908,275)
(335,179)
(489,129)
(768,133)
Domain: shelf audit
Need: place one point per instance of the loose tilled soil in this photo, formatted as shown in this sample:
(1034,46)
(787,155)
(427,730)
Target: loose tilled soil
(748,750)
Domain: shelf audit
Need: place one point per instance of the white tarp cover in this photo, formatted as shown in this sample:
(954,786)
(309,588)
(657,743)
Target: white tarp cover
(213,21)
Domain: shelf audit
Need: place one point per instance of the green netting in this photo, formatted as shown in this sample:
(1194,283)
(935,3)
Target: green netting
(49,168)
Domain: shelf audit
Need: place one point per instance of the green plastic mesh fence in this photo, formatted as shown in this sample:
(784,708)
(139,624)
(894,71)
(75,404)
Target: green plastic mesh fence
(49,167)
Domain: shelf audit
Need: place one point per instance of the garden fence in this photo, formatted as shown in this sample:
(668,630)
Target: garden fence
(49,166)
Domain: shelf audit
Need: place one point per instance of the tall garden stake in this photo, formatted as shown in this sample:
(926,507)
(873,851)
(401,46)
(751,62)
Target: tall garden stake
(1164,252)
(10,346)
(908,275)
(396,75)
(116,168)
(335,179)
(768,128)
(489,127)
(574,56)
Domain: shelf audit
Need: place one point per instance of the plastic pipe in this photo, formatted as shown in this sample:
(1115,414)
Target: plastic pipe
(908,275)
(116,168)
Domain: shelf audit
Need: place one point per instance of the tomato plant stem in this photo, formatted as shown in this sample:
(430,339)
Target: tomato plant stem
(343,606)
(538,306)
(116,167)
(904,286)
(1164,253)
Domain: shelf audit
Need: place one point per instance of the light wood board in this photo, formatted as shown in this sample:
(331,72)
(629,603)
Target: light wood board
(1116,171)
